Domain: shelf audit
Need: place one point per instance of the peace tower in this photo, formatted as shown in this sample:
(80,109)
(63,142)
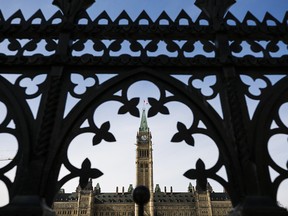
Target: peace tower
(144,162)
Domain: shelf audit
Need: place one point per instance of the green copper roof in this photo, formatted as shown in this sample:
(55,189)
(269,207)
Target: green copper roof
(144,124)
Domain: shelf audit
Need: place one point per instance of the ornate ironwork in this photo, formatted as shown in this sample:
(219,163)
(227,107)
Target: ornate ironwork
(50,56)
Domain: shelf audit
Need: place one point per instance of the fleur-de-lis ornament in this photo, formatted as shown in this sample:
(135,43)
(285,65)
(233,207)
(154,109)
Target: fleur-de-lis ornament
(72,8)
(215,9)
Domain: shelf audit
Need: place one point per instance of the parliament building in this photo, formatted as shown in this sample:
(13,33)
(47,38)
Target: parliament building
(91,201)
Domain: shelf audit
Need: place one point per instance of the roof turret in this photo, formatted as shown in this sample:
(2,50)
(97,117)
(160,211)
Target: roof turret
(97,189)
(157,188)
(190,188)
(130,188)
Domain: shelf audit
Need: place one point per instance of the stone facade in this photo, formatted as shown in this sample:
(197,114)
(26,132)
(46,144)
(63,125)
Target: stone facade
(91,201)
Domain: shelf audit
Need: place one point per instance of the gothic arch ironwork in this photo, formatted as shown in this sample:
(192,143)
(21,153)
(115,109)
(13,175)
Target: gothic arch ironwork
(213,44)
(15,112)
(274,99)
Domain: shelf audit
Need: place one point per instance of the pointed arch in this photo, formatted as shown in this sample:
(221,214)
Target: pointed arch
(99,94)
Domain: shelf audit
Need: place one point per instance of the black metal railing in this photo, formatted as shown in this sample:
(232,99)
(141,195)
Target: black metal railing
(60,46)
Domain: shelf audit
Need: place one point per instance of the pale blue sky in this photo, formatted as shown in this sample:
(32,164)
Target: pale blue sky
(168,172)
(154,8)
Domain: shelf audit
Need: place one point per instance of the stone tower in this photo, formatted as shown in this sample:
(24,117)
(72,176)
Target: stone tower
(85,200)
(203,201)
(144,162)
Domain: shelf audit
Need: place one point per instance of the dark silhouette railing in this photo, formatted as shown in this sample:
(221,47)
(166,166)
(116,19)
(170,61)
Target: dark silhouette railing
(55,48)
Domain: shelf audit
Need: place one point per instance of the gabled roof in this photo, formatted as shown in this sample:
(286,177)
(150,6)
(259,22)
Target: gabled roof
(65,197)
(175,197)
(219,196)
(118,198)
(113,198)
(181,197)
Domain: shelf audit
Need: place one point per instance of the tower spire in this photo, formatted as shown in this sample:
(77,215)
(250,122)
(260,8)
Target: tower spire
(143,123)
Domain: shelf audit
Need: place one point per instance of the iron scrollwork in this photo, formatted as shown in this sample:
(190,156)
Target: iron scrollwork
(229,62)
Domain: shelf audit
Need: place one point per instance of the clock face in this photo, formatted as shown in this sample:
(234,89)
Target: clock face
(144,137)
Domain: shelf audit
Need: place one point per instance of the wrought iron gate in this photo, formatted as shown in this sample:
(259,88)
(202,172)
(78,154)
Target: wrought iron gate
(62,46)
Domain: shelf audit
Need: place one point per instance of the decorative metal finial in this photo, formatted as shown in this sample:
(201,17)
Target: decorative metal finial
(214,9)
(72,8)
